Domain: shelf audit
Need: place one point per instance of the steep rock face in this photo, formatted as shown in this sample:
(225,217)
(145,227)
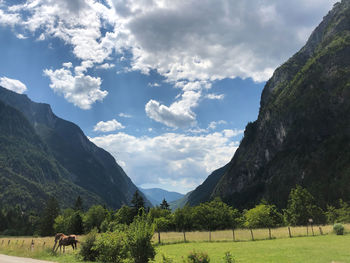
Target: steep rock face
(302,134)
(87,165)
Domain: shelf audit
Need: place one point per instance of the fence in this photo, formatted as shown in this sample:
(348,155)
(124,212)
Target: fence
(244,234)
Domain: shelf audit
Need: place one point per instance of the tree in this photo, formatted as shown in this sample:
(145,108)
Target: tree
(183,219)
(263,216)
(50,212)
(139,238)
(164,205)
(137,202)
(124,215)
(94,217)
(302,207)
(78,206)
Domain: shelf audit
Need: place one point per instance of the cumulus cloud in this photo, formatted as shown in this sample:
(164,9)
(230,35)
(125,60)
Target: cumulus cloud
(177,115)
(187,42)
(108,126)
(172,160)
(79,89)
(13,84)
(213,96)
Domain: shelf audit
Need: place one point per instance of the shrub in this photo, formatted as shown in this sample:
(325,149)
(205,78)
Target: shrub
(166,259)
(86,251)
(228,258)
(111,247)
(198,257)
(338,229)
(139,238)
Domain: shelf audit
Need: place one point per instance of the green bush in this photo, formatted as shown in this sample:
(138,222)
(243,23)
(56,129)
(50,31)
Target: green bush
(198,257)
(86,251)
(139,238)
(166,259)
(338,229)
(228,258)
(111,247)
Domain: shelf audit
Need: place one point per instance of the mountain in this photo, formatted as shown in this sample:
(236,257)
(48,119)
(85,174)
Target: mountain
(302,134)
(180,203)
(202,193)
(156,195)
(56,157)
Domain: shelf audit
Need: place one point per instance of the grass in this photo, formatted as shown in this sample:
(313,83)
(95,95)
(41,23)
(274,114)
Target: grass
(318,249)
(280,249)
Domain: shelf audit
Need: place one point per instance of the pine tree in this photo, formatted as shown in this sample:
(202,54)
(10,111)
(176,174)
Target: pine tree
(50,212)
(137,202)
(78,206)
(164,205)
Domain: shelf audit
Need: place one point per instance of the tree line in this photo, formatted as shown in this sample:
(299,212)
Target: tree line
(208,216)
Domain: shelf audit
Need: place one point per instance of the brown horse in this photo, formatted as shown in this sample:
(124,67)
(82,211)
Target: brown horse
(64,241)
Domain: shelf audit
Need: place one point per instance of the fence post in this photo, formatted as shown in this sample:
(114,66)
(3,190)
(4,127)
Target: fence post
(270,233)
(233,235)
(321,232)
(209,236)
(290,234)
(32,245)
(44,244)
(8,243)
(158,237)
(251,233)
(312,229)
(307,230)
(184,236)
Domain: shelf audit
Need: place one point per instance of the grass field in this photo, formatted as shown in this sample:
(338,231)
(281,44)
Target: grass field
(280,249)
(318,249)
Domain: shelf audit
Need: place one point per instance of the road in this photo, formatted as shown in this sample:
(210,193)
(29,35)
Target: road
(10,259)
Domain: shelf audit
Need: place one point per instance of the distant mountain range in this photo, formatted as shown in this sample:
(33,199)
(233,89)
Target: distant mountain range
(156,195)
(302,134)
(42,154)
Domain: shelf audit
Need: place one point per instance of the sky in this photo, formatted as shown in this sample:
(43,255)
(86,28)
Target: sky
(167,87)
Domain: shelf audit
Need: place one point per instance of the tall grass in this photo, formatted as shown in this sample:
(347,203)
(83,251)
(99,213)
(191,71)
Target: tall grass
(244,234)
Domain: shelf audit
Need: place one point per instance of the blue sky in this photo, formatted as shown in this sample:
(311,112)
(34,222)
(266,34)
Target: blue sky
(166,87)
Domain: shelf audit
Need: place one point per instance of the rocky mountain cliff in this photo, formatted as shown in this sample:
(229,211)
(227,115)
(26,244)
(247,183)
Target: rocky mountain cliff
(63,156)
(302,134)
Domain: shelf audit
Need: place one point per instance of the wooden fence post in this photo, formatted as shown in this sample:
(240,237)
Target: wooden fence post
(290,234)
(270,233)
(233,235)
(312,229)
(251,233)
(184,236)
(209,236)
(321,232)
(307,230)
(32,246)
(158,237)
(8,243)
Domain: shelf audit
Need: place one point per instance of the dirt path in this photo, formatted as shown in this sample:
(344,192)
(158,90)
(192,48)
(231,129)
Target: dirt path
(10,259)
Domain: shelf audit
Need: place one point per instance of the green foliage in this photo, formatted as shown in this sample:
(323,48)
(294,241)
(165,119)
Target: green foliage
(69,222)
(124,215)
(137,202)
(228,258)
(301,207)
(94,217)
(164,205)
(263,216)
(198,257)
(338,229)
(139,236)
(87,251)
(340,214)
(50,212)
(213,215)
(183,218)
(111,247)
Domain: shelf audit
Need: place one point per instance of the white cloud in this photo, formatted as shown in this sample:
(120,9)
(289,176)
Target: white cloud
(187,42)
(213,96)
(13,84)
(169,159)
(124,115)
(108,126)
(177,115)
(212,125)
(81,90)
(106,66)
(67,65)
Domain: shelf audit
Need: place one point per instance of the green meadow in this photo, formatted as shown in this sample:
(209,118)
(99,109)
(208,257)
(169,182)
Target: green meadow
(310,249)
